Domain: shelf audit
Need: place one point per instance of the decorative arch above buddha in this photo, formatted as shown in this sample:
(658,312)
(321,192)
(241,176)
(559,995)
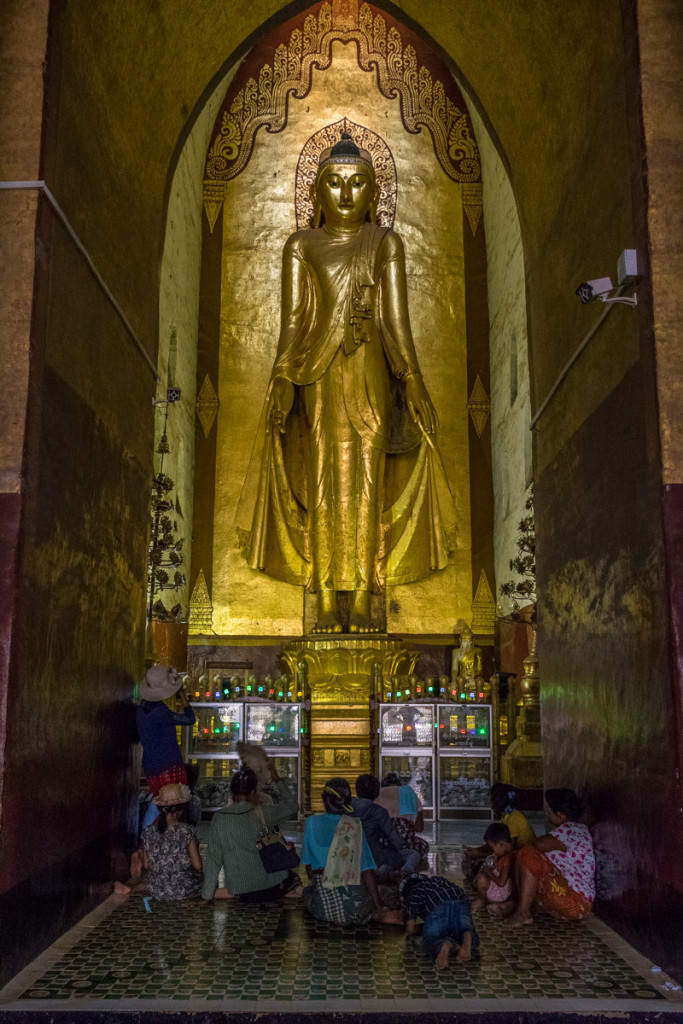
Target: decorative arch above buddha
(281,68)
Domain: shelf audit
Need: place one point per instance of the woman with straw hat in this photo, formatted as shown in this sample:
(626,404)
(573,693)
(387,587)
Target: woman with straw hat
(161,759)
(170,851)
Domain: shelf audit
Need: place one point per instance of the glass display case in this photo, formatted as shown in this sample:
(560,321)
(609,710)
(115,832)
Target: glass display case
(211,743)
(407,725)
(213,783)
(444,751)
(273,725)
(217,728)
(464,784)
(465,759)
(414,771)
(465,726)
(406,746)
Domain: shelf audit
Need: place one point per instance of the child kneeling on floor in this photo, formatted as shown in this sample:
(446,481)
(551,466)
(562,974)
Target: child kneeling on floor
(445,910)
(493,882)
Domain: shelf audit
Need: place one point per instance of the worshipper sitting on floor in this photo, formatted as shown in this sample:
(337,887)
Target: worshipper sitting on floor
(557,871)
(170,852)
(386,845)
(233,835)
(502,799)
(493,882)
(405,809)
(341,870)
(447,917)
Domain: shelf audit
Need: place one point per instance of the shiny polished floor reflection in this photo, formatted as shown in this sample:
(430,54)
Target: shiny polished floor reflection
(130,954)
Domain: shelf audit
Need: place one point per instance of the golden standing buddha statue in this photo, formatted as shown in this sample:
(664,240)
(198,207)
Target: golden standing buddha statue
(350,486)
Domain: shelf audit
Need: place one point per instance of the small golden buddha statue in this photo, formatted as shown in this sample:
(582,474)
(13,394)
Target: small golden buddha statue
(467,664)
(348,493)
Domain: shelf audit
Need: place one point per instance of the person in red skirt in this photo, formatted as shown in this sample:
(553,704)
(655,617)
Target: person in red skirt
(161,759)
(557,871)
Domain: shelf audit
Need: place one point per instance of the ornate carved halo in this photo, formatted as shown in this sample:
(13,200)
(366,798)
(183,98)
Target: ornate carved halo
(382,159)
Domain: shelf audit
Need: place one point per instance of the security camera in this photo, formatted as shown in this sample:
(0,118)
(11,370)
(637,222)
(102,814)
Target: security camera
(590,290)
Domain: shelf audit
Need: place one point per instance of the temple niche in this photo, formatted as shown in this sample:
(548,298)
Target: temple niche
(330,70)
(344,69)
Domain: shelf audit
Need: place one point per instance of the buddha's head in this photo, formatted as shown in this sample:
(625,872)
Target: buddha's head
(344,193)
(466,639)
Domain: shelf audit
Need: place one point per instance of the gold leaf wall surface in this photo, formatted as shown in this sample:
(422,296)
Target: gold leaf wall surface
(259,215)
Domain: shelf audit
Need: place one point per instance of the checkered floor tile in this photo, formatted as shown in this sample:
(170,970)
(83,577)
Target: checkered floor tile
(280,954)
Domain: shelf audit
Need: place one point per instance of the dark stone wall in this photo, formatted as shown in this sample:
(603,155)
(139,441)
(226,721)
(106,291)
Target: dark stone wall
(608,715)
(69,803)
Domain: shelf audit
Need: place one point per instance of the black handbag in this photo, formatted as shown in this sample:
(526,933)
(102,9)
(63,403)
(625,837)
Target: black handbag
(275,852)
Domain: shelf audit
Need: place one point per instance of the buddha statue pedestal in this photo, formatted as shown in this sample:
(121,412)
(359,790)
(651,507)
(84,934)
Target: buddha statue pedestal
(343,673)
(522,763)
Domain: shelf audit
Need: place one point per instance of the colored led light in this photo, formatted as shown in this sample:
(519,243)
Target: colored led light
(462,696)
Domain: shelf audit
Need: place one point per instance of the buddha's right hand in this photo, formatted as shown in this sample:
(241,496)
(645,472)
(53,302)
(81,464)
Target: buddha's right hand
(280,403)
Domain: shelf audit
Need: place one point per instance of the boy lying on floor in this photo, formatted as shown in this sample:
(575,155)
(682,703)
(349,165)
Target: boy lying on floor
(447,917)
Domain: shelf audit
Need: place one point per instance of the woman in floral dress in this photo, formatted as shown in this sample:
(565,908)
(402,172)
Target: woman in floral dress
(170,850)
(557,871)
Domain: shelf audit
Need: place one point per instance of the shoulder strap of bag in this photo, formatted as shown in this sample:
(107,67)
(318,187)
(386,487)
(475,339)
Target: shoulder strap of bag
(266,829)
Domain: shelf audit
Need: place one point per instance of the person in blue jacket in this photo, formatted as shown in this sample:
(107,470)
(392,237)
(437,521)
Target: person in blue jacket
(162,762)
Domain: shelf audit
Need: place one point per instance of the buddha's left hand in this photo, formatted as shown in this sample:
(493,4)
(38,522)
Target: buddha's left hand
(420,404)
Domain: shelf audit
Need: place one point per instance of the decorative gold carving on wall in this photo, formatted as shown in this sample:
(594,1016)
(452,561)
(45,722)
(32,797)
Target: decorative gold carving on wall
(479,406)
(483,607)
(214,193)
(318,757)
(473,204)
(207,405)
(342,758)
(383,162)
(201,609)
(262,101)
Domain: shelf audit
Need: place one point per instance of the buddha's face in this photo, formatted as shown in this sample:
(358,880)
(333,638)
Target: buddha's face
(345,192)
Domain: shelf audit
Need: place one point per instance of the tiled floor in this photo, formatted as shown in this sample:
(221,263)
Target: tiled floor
(233,958)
